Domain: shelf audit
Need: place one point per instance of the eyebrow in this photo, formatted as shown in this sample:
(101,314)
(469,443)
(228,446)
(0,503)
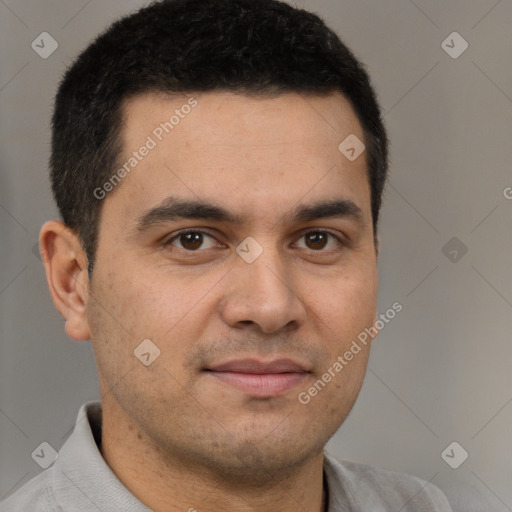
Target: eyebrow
(174,208)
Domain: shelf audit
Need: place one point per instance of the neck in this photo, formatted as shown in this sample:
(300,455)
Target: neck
(167,484)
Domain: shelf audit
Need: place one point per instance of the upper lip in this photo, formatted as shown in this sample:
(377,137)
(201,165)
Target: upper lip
(260,367)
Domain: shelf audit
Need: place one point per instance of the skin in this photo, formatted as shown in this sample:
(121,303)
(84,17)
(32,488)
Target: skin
(177,438)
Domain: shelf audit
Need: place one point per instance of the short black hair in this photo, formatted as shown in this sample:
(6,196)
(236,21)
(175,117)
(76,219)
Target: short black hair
(252,47)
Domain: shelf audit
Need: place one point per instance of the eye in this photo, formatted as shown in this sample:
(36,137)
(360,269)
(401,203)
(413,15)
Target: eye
(190,240)
(193,239)
(318,240)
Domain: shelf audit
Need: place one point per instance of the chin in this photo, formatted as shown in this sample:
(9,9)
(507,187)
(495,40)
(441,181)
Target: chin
(250,459)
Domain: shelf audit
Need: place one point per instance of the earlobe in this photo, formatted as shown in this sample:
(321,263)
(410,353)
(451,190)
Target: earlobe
(65,265)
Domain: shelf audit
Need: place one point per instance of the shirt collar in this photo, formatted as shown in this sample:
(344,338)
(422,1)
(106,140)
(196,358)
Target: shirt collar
(82,479)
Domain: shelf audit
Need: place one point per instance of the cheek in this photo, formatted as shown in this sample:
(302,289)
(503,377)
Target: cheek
(146,305)
(169,309)
(128,311)
(348,309)
(346,306)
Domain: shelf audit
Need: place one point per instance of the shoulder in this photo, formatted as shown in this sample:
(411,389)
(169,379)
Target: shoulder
(36,494)
(372,488)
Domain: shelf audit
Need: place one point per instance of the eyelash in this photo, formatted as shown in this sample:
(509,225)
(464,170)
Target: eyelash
(169,241)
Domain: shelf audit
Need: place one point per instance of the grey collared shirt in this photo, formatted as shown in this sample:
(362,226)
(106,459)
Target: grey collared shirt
(80,480)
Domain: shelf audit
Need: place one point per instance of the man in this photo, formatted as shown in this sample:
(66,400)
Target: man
(219,166)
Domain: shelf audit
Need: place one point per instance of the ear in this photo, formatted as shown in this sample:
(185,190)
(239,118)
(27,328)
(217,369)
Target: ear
(65,264)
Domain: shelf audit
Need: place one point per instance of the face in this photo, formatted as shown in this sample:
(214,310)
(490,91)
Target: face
(241,245)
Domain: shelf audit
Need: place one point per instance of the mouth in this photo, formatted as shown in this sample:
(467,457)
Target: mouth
(258,378)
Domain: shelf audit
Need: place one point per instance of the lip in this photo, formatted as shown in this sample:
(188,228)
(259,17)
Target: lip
(256,366)
(261,379)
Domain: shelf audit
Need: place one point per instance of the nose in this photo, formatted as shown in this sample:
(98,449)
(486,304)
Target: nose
(262,295)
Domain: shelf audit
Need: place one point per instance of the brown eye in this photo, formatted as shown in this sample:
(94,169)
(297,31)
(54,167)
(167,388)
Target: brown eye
(190,240)
(319,240)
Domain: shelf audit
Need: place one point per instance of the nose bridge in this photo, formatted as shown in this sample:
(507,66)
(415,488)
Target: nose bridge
(266,274)
(262,290)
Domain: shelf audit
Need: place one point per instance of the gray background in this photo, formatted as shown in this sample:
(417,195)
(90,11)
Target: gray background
(440,371)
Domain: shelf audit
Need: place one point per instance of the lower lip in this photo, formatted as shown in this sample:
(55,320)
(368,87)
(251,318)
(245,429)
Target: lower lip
(260,385)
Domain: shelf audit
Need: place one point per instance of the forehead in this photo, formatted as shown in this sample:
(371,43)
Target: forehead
(251,151)
(239,119)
